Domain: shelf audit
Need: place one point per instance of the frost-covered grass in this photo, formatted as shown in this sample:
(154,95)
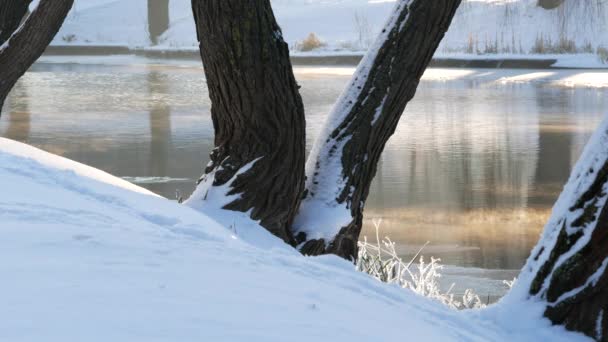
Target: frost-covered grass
(311,42)
(381,261)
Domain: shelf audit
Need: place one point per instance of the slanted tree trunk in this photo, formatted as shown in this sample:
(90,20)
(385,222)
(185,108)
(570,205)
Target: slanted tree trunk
(29,42)
(568,269)
(158,19)
(343,161)
(11,15)
(257,165)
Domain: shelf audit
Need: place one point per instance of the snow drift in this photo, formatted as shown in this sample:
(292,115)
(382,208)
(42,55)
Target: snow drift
(86,256)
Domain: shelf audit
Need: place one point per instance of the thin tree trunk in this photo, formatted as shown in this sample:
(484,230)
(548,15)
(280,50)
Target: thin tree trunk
(343,161)
(568,269)
(158,19)
(257,165)
(27,43)
(11,15)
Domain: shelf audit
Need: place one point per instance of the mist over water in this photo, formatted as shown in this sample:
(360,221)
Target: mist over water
(473,167)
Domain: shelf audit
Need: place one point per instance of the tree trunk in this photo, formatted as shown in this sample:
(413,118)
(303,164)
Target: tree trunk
(568,269)
(158,19)
(343,161)
(11,14)
(29,42)
(257,165)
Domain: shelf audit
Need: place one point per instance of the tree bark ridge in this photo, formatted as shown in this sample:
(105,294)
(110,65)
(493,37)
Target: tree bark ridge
(257,112)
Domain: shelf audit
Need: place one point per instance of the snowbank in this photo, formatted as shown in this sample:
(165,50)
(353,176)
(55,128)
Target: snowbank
(85,256)
(518,28)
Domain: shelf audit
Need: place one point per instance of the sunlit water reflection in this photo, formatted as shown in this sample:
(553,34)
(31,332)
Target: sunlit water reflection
(474,166)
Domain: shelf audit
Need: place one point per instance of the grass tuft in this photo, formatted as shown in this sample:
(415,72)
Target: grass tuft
(380,260)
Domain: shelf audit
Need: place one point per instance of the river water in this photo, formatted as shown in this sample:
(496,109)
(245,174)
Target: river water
(474,167)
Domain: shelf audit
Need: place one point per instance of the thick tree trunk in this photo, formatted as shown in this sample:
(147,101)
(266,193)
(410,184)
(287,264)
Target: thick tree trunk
(257,165)
(29,42)
(568,269)
(343,161)
(158,19)
(11,14)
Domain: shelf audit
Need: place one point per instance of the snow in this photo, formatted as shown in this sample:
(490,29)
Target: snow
(511,27)
(85,256)
(211,199)
(124,23)
(321,219)
(56,162)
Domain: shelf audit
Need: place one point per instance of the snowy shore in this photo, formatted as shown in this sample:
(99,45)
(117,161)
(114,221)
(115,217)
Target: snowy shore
(87,256)
(506,61)
(484,32)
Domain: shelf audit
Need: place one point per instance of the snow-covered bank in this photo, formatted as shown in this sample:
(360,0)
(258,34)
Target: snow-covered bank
(488,28)
(547,77)
(85,256)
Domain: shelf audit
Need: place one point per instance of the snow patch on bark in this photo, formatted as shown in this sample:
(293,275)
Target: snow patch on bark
(379,111)
(211,200)
(319,220)
(216,196)
(33,7)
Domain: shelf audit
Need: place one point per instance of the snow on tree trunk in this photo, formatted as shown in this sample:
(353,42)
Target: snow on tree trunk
(343,161)
(257,165)
(11,14)
(568,269)
(158,19)
(29,41)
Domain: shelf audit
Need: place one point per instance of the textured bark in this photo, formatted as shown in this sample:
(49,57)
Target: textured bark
(29,42)
(569,267)
(158,19)
(386,80)
(11,14)
(257,112)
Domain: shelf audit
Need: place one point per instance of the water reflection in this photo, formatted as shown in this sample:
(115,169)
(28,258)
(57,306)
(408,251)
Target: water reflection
(554,145)
(160,124)
(473,167)
(18,114)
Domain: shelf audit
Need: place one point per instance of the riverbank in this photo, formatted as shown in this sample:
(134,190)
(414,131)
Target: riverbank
(347,58)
